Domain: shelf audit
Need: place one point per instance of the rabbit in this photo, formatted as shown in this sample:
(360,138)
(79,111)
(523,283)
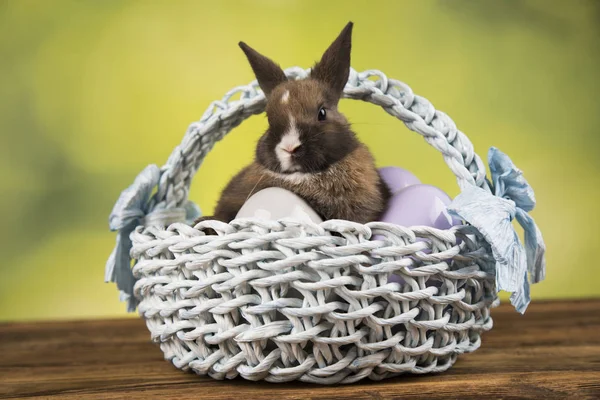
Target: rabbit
(309,147)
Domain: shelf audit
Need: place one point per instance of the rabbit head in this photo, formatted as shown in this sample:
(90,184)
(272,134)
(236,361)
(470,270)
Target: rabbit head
(306,131)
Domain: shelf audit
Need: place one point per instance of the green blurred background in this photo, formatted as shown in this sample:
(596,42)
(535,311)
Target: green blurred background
(93,91)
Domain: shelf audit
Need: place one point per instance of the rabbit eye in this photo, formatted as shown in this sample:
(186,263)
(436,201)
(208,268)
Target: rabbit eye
(322,114)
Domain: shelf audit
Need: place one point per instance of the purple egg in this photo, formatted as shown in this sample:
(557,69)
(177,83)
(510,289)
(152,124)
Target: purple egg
(419,204)
(397,178)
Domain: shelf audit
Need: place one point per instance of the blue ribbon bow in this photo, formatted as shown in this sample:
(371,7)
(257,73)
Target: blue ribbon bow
(492,215)
(131,207)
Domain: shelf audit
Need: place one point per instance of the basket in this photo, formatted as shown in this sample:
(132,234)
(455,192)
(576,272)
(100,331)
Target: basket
(289,300)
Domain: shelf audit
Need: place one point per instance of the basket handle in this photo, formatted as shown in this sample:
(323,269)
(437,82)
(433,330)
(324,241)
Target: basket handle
(170,203)
(395,97)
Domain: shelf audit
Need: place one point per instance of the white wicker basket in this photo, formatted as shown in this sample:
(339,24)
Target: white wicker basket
(285,300)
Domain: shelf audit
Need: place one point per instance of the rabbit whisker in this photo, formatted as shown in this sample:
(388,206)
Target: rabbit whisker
(254,188)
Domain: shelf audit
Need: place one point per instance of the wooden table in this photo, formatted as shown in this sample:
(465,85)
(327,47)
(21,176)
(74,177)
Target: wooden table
(551,352)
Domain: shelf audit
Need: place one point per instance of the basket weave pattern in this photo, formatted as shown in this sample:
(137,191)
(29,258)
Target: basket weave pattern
(284,300)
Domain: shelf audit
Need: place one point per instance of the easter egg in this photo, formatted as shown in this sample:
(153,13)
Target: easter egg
(276,203)
(419,204)
(397,178)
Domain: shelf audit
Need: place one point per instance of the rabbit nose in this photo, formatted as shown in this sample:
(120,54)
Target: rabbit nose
(291,149)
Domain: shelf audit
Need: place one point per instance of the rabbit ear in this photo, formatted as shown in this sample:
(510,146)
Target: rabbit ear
(267,72)
(334,67)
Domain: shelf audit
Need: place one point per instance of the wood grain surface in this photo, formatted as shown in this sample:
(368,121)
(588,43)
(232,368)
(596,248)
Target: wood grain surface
(553,351)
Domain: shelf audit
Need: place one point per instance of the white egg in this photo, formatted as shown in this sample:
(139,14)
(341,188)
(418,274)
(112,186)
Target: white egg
(276,203)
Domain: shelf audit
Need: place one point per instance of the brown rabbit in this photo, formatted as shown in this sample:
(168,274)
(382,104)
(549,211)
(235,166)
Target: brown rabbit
(309,147)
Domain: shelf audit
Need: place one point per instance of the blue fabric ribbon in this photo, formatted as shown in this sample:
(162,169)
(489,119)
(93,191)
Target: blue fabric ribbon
(129,210)
(492,215)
